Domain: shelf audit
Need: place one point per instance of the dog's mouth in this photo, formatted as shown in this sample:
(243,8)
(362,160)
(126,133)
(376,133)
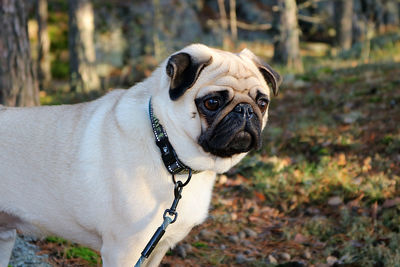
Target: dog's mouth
(243,141)
(232,137)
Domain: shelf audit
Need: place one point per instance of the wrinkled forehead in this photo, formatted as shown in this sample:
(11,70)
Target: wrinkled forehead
(233,72)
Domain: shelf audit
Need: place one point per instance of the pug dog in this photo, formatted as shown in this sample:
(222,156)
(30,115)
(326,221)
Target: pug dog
(92,173)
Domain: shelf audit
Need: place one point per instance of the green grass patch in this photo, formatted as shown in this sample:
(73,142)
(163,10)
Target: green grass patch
(83,253)
(314,182)
(200,245)
(57,240)
(73,251)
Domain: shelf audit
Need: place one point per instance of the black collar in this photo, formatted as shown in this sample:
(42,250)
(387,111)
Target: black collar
(168,154)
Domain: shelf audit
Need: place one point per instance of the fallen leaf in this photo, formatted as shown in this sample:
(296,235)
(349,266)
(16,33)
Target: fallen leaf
(301,239)
(256,219)
(342,159)
(260,196)
(234,216)
(272,260)
(335,201)
(367,164)
(331,260)
(356,202)
(389,203)
(222,179)
(374,210)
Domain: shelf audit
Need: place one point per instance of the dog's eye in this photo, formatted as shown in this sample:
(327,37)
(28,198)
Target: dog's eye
(212,103)
(262,104)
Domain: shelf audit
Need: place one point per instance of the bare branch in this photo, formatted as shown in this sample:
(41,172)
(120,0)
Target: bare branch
(253,27)
(243,25)
(222,11)
(308,3)
(233,20)
(309,19)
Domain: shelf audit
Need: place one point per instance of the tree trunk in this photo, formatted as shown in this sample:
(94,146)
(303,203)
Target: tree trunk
(18,85)
(157,28)
(343,10)
(233,20)
(391,15)
(224,24)
(286,45)
(83,76)
(44,69)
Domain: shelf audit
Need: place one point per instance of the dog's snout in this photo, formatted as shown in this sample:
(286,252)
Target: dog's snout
(245,109)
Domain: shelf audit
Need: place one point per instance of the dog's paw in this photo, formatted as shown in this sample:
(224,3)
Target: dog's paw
(7,235)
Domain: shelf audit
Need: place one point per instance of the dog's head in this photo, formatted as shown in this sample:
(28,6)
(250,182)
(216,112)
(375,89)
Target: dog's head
(216,104)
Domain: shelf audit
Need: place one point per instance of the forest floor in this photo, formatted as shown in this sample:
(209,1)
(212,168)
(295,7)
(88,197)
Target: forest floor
(324,190)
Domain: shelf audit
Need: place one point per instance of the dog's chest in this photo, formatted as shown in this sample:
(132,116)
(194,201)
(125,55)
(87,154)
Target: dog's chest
(194,205)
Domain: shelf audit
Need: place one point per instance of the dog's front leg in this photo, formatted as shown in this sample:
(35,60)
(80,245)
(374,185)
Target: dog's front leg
(7,240)
(121,255)
(113,255)
(120,251)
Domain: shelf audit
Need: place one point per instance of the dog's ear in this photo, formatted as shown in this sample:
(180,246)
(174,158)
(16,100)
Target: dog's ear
(272,78)
(183,70)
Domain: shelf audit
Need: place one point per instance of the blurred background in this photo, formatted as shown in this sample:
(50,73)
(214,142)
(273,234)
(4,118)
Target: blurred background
(323,190)
(86,46)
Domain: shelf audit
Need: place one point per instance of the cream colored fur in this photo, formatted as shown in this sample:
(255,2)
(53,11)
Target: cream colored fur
(91,172)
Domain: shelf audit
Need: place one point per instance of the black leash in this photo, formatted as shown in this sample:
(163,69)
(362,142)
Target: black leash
(170,215)
(174,166)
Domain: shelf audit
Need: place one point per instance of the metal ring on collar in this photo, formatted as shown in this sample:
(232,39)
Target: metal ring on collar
(187,180)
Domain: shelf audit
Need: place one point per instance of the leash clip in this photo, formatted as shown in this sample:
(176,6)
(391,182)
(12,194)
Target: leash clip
(170,215)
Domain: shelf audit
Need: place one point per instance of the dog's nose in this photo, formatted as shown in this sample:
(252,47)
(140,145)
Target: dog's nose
(245,109)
